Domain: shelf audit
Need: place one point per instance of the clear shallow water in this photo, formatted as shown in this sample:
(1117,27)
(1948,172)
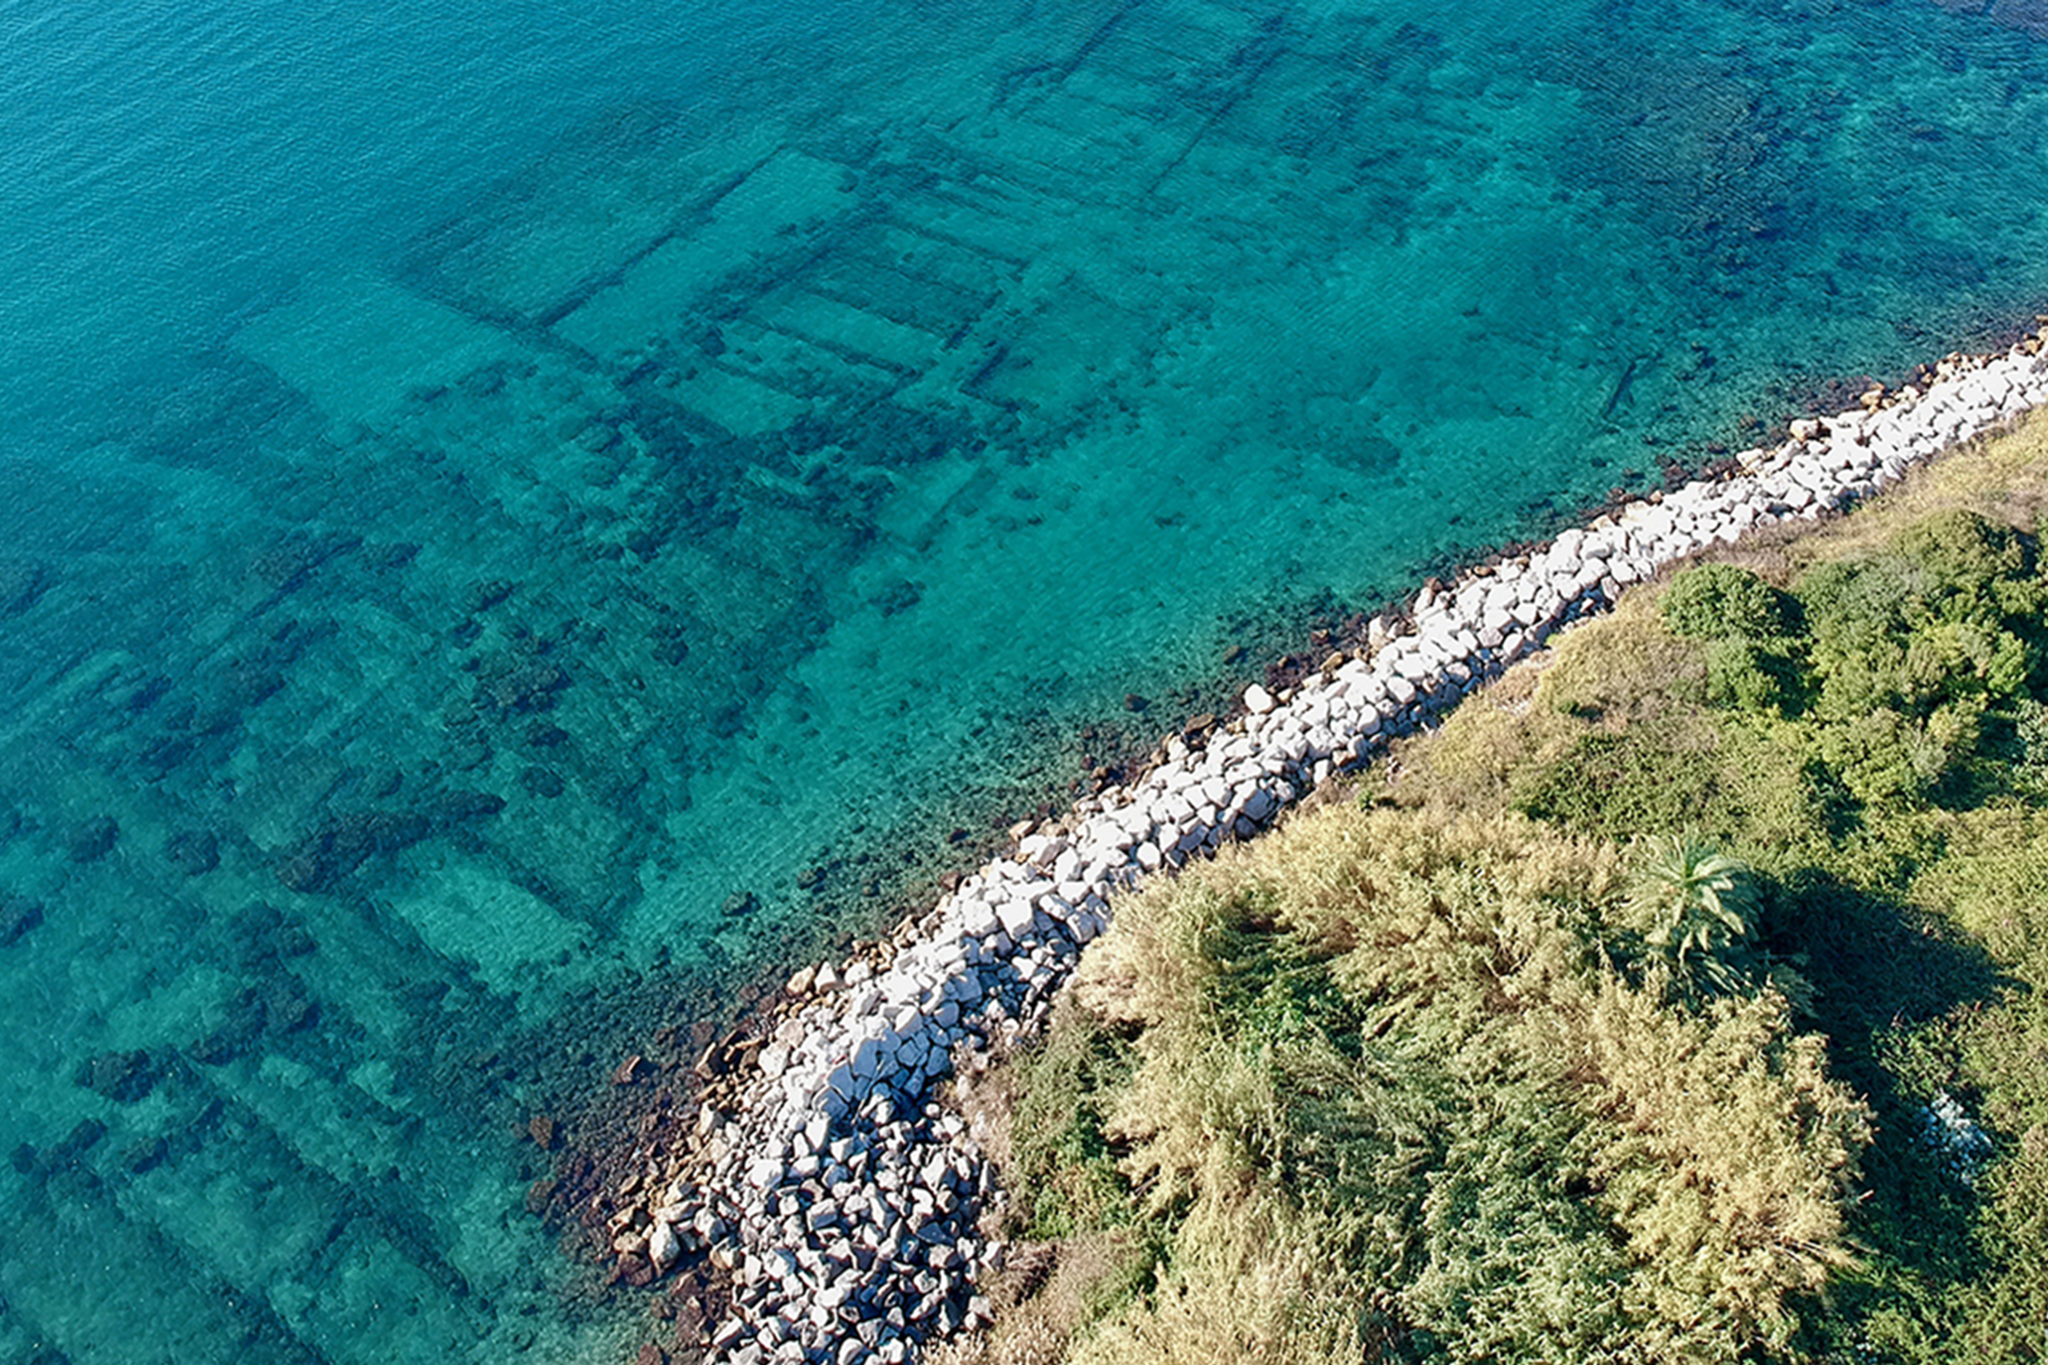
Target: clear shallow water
(488,490)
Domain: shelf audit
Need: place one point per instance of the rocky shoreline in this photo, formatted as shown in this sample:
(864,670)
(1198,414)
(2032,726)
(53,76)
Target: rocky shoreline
(829,1195)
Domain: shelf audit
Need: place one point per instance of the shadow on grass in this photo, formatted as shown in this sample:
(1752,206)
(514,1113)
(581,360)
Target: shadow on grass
(1884,973)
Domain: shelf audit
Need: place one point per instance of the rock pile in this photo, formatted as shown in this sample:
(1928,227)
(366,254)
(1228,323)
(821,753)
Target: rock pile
(842,1198)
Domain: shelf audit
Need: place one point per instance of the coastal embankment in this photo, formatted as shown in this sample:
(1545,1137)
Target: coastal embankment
(833,1197)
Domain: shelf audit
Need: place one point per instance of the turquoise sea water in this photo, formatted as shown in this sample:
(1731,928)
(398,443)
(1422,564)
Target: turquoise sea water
(514,516)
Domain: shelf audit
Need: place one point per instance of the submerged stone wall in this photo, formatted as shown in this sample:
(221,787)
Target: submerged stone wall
(842,1199)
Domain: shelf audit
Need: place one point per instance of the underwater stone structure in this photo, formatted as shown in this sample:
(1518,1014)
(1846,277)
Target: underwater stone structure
(843,1198)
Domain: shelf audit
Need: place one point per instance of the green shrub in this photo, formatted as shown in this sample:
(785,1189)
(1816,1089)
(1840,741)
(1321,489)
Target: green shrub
(1515,1263)
(1616,783)
(1692,902)
(1720,601)
(1065,1172)
(1853,606)
(2028,751)
(1954,582)
(1874,754)
(1962,565)
(1754,781)
(1744,676)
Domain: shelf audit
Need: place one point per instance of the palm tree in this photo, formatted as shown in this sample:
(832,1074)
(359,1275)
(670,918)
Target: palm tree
(1696,901)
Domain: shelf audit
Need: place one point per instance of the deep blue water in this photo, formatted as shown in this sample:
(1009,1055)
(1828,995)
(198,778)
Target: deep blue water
(514,517)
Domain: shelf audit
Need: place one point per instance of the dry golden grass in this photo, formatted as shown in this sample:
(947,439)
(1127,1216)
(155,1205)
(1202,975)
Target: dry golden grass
(1044,1297)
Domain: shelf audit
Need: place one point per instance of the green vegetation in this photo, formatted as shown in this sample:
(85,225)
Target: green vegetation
(1430,1059)
(1695,903)
(1684,998)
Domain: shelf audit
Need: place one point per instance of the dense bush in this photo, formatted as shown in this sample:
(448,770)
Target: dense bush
(1907,859)
(1917,651)
(1426,1082)
(1721,601)
(1063,1171)
(1747,675)
(1391,1073)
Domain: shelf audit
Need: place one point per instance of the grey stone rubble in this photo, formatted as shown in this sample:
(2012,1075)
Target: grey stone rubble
(1959,1140)
(844,1198)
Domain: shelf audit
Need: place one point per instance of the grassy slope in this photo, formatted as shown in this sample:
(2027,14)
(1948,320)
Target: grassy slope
(1414,1080)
